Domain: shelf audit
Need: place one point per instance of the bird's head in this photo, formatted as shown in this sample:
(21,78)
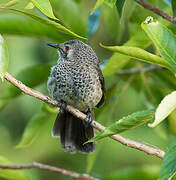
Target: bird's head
(73,50)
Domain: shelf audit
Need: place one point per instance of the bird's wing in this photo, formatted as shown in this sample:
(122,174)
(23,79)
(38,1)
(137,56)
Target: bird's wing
(101,78)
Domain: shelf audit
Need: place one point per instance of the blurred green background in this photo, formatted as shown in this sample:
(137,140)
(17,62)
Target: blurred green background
(125,93)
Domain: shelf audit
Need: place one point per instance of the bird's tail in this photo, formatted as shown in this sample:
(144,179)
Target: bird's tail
(73,133)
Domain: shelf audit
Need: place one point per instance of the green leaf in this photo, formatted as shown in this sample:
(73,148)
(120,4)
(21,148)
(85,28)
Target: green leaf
(118,61)
(62,10)
(77,1)
(45,7)
(172,122)
(167,105)
(111,20)
(119,5)
(28,77)
(57,26)
(167,78)
(16,4)
(30,5)
(173,7)
(127,11)
(168,168)
(3,57)
(32,129)
(134,173)
(3,103)
(110,3)
(140,54)
(7,174)
(163,39)
(126,123)
(47,108)
(97,5)
(91,159)
(11,3)
(9,24)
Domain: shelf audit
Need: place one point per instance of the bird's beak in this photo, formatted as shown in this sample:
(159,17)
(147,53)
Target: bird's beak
(54,45)
(57,46)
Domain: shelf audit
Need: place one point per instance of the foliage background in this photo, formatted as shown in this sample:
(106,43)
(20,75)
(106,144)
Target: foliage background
(125,93)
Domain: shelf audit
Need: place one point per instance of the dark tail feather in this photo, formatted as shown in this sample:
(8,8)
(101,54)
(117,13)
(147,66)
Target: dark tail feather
(73,133)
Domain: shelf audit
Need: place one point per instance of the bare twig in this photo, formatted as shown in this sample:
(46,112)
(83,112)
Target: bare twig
(130,143)
(48,168)
(156,10)
(137,70)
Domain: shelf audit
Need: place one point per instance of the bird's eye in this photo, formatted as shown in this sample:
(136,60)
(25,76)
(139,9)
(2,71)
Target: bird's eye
(67,48)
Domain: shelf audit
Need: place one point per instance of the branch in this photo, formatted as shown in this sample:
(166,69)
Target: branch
(127,142)
(136,70)
(49,168)
(156,11)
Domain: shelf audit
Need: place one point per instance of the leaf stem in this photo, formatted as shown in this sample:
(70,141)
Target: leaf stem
(48,168)
(127,142)
(137,70)
(156,11)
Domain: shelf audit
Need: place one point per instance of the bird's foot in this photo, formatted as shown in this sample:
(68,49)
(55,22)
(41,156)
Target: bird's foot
(89,118)
(63,106)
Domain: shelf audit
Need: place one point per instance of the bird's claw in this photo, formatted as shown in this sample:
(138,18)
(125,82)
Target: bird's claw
(63,106)
(89,119)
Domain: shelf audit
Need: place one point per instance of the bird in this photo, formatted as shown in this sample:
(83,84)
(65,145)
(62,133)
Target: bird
(76,80)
